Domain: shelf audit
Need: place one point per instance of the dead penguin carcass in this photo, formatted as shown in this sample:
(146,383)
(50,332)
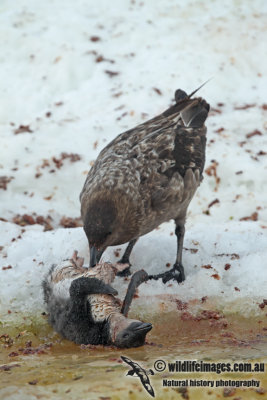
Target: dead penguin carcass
(83,308)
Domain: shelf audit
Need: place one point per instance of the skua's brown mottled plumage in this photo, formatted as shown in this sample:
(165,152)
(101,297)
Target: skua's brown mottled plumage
(144,177)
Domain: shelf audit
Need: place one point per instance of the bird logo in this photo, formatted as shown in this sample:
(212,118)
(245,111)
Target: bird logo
(140,373)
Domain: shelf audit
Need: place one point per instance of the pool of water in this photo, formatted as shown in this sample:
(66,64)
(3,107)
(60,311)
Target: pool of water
(36,363)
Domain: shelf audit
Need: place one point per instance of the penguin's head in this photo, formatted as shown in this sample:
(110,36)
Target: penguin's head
(126,332)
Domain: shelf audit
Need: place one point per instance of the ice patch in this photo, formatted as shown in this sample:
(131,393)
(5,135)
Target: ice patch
(52,83)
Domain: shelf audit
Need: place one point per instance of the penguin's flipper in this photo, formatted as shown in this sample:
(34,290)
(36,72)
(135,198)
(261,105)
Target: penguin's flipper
(136,280)
(84,286)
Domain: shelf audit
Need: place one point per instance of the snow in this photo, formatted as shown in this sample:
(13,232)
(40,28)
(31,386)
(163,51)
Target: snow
(52,83)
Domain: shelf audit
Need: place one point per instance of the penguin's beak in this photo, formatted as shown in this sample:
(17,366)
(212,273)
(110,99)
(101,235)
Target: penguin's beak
(95,255)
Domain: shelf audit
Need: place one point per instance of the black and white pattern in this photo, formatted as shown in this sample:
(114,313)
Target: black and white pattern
(83,308)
